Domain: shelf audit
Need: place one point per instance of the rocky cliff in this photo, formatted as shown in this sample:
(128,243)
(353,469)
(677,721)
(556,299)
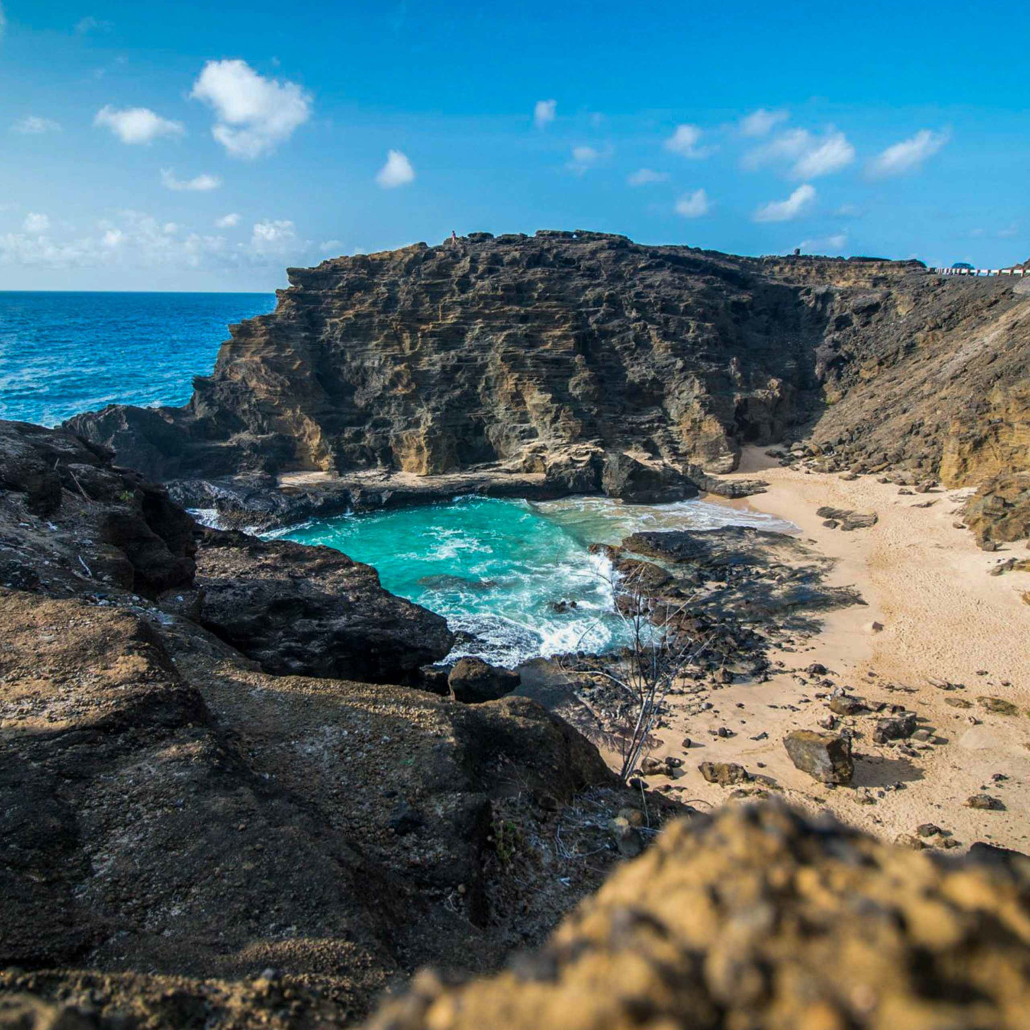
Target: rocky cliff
(209,769)
(542,355)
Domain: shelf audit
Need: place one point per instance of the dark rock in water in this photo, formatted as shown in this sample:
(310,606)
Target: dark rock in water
(897,727)
(724,773)
(447,581)
(824,757)
(309,611)
(653,483)
(474,681)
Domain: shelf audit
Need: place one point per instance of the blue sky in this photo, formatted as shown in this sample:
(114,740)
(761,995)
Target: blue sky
(206,146)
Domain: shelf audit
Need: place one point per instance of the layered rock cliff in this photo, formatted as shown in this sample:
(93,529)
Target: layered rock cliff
(543,354)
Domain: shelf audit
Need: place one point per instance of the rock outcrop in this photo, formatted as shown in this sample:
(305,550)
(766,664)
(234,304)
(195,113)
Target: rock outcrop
(308,611)
(758,918)
(548,355)
(192,833)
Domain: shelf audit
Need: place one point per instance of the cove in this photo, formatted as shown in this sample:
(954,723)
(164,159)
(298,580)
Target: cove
(515,579)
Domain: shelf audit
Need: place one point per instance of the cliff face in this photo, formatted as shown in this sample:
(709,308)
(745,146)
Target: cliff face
(545,355)
(431,359)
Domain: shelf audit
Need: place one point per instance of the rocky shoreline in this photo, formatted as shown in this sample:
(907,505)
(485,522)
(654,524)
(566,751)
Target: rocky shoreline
(241,789)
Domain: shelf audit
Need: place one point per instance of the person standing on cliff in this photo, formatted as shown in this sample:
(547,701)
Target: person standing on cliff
(454,237)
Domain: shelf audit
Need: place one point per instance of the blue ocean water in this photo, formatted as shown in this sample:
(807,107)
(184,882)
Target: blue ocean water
(506,571)
(62,353)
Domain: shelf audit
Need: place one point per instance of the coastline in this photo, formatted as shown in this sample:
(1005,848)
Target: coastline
(945,620)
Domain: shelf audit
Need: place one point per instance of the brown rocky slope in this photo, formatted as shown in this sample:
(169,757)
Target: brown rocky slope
(542,355)
(198,789)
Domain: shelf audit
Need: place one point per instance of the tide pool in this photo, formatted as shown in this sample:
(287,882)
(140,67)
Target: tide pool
(516,575)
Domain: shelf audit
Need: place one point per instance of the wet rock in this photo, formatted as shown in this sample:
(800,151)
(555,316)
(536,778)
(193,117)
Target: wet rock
(309,611)
(824,757)
(474,681)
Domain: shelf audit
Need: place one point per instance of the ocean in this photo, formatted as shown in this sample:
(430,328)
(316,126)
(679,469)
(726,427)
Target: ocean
(62,353)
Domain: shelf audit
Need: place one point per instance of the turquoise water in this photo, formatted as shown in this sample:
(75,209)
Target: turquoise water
(62,353)
(500,570)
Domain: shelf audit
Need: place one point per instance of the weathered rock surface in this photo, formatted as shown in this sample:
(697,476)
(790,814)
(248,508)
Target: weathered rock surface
(176,817)
(823,756)
(759,918)
(640,482)
(473,681)
(111,528)
(308,611)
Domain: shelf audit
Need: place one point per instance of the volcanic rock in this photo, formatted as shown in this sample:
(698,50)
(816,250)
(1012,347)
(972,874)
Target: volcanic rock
(823,756)
(700,932)
(474,681)
(308,611)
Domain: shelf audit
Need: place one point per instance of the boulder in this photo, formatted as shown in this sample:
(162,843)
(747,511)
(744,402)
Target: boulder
(825,757)
(473,681)
(896,727)
(725,774)
(652,483)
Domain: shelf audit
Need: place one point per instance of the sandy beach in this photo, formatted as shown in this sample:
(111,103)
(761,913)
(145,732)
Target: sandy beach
(944,621)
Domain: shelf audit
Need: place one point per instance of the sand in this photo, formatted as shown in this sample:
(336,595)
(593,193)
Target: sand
(944,620)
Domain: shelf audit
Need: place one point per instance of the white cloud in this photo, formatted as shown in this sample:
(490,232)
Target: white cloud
(847,211)
(684,141)
(254,114)
(1009,232)
(827,245)
(785,210)
(133,239)
(693,205)
(762,122)
(3,21)
(544,112)
(824,157)
(227,221)
(274,237)
(199,183)
(91,24)
(907,155)
(331,247)
(809,156)
(396,172)
(136,124)
(645,176)
(36,224)
(32,125)
(584,158)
